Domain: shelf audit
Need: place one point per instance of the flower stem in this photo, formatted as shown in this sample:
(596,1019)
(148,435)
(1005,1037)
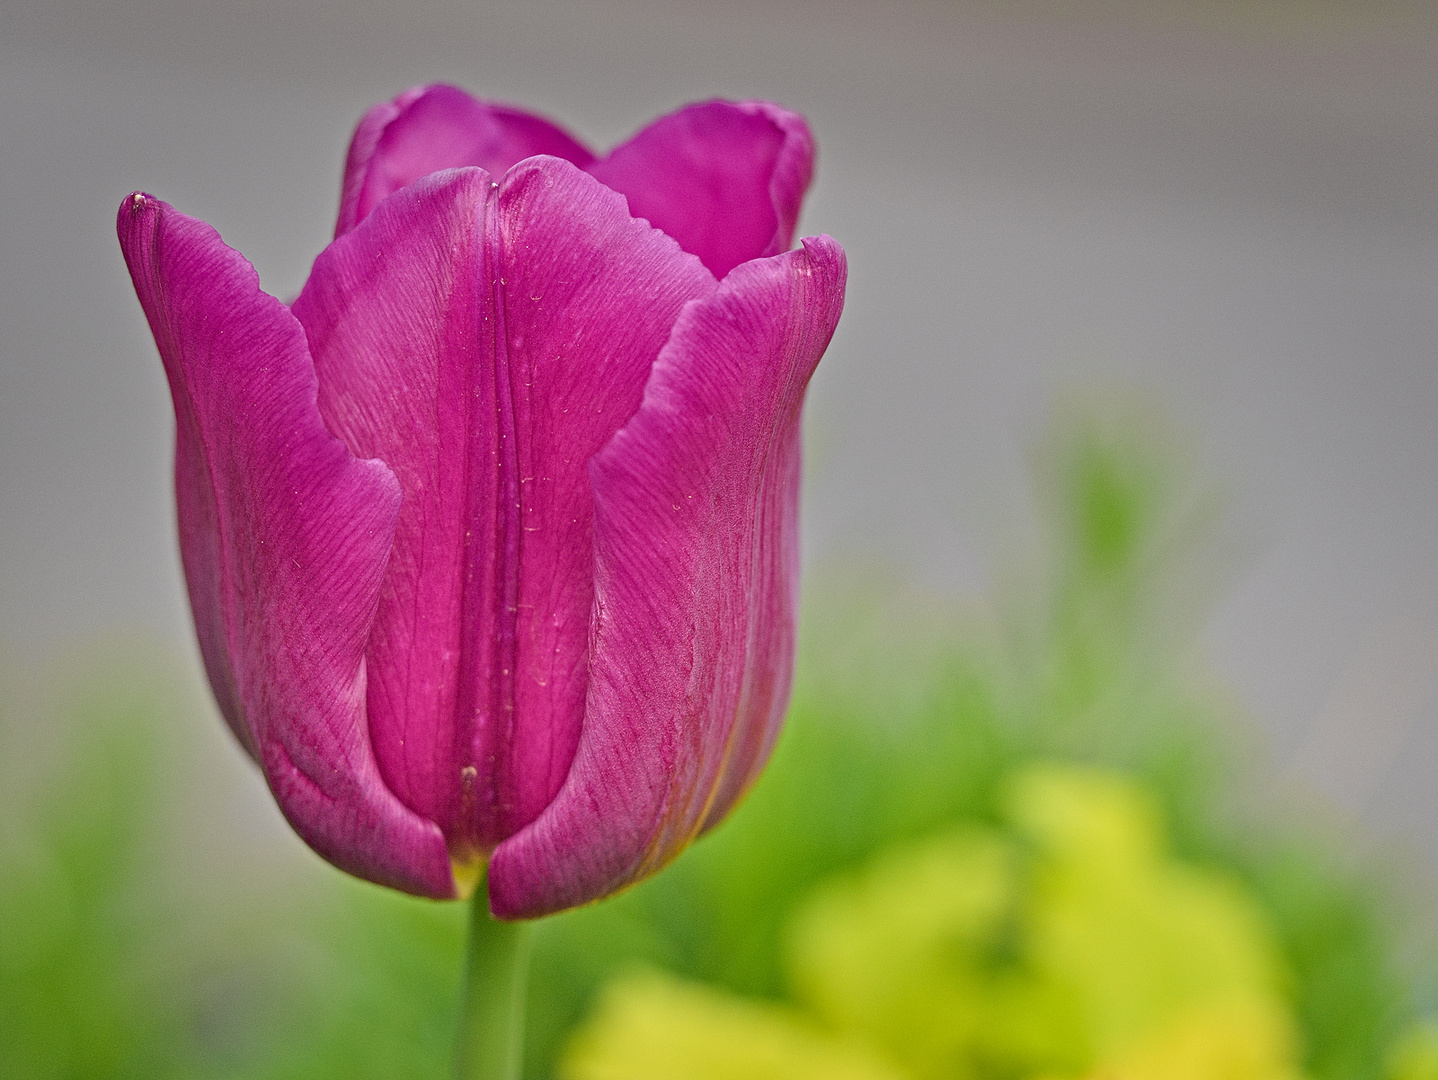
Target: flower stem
(491,1025)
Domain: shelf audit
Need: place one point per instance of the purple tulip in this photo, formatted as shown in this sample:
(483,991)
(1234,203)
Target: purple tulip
(490,536)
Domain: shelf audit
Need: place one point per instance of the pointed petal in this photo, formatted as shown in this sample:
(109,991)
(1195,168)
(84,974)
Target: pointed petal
(284,538)
(430,128)
(696,574)
(723,178)
(485,342)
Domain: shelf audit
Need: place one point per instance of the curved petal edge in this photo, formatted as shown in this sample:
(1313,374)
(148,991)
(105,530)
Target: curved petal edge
(429,129)
(284,538)
(725,179)
(696,582)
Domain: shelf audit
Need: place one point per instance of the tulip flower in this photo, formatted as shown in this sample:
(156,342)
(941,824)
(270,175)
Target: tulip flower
(490,535)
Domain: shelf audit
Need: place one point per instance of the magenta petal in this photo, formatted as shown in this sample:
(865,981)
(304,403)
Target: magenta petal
(430,128)
(591,296)
(696,578)
(723,178)
(362,148)
(284,538)
(485,341)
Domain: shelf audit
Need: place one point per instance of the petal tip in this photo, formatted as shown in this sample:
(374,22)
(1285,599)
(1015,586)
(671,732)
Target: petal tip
(134,207)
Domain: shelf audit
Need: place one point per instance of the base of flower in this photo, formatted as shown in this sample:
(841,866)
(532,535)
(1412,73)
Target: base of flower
(467,875)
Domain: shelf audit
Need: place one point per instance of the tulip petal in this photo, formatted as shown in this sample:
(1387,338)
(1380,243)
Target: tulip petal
(486,341)
(431,128)
(284,537)
(696,576)
(723,178)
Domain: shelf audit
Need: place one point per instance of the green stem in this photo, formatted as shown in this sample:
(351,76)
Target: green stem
(491,1025)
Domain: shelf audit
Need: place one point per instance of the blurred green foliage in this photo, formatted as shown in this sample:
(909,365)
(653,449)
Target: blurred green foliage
(108,969)
(1068,943)
(911,717)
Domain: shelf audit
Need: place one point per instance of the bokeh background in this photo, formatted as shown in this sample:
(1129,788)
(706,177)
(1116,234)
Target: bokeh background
(1225,208)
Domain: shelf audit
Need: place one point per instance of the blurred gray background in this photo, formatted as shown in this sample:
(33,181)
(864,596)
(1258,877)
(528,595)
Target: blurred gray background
(1231,205)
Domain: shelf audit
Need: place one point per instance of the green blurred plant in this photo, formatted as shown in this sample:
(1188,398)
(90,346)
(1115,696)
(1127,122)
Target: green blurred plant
(1068,943)
(107,972)
(74,912)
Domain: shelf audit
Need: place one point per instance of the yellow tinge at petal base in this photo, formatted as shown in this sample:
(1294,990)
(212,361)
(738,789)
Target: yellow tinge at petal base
(654,1027)
(467,873)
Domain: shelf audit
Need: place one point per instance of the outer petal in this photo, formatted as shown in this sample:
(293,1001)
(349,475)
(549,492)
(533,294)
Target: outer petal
(725,179)
(284,538)
(430,128)
(696,567)
(486,341)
